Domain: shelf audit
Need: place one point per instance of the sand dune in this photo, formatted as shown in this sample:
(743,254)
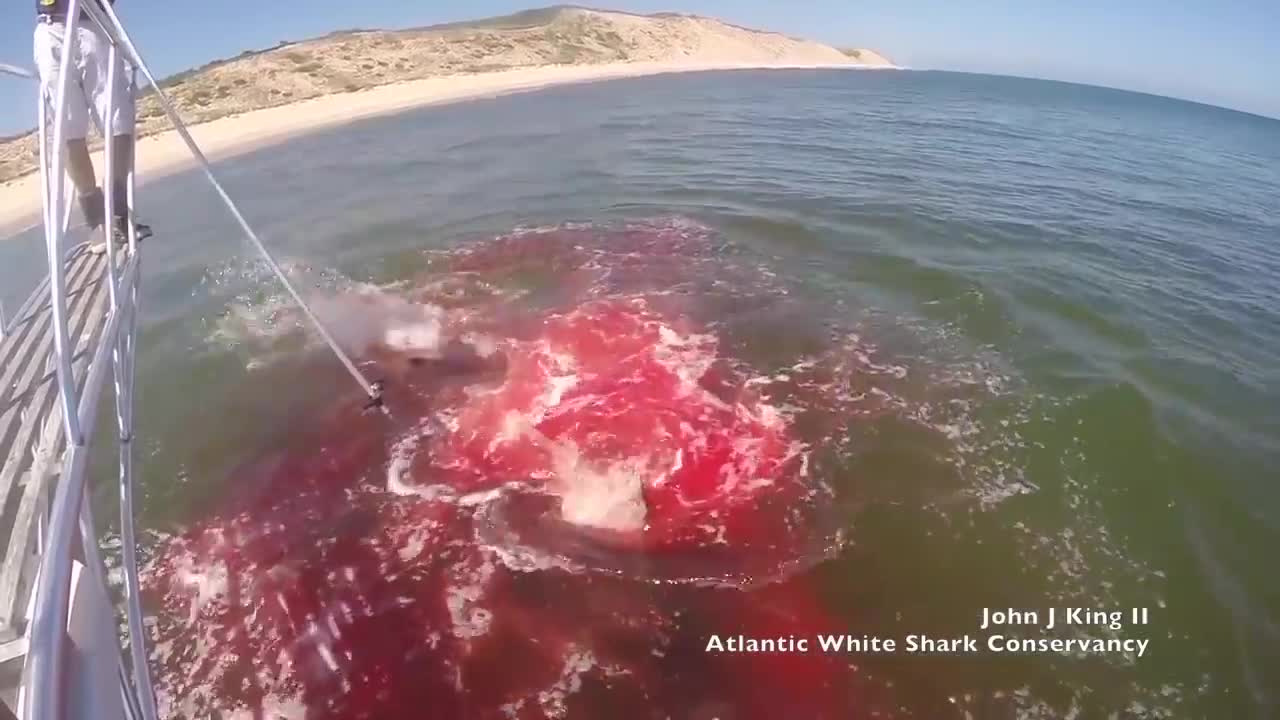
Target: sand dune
(267,96)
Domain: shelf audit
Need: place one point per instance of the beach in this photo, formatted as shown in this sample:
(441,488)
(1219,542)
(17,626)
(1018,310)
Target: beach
(266,96)
(165,153)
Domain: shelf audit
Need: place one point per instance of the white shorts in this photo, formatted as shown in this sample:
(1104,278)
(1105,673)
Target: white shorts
(88,89)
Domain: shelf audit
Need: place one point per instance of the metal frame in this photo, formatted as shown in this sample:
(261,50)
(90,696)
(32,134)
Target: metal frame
(44,693)
(43,677)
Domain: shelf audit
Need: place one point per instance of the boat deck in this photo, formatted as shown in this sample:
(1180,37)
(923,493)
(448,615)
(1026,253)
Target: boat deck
(33,436)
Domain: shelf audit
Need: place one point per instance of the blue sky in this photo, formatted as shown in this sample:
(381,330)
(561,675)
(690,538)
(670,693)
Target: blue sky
(1223,52)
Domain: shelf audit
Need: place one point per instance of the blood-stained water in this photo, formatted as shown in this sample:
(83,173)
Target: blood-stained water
(579,484)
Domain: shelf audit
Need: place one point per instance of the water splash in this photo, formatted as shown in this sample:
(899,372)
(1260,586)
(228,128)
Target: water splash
(606,453)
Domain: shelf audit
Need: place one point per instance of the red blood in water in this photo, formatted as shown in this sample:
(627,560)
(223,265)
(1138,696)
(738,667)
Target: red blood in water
(640,395)
(318,593)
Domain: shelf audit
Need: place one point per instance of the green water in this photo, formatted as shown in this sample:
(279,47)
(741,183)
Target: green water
(1080,283)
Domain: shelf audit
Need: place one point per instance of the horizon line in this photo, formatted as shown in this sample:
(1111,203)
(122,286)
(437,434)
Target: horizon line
(903,68)
(1100,86)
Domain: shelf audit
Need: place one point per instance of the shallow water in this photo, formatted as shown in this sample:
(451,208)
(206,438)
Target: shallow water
(1062,300)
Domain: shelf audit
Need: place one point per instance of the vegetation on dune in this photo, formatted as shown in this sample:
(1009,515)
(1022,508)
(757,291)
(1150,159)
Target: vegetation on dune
(353,60)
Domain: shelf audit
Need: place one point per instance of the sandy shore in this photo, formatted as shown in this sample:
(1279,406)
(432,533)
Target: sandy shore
(164,154)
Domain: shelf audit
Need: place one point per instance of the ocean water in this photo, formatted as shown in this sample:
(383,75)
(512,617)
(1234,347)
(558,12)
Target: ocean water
(1031,348)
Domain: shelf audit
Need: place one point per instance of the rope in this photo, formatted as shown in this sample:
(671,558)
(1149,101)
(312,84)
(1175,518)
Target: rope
(15,70)
(372,389)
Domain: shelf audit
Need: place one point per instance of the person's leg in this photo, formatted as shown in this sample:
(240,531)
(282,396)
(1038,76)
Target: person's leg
(123,166)
(48,44)
(80,168)
(119,98)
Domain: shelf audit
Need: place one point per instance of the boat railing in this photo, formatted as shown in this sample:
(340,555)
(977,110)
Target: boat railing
(47,687)
(48,673)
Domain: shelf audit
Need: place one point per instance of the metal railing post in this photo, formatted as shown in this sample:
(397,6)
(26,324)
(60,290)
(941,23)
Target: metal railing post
(54,232)
(96,572)
(46,192)
(108,180)
(67,207)
(133,162)
(123,371)
(43,698)
(138,638)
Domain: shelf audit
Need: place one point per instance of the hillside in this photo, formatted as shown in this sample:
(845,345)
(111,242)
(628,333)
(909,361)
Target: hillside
(355,60)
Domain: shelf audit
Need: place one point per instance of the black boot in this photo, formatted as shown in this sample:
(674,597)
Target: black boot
(93,206)
(122,216)
(122,230)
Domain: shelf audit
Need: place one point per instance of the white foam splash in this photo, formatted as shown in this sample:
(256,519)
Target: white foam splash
(603,496)
(577,663)
(208,580)
(688,357)
(608,498)
(358,316)
(371,317)
(463,596)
